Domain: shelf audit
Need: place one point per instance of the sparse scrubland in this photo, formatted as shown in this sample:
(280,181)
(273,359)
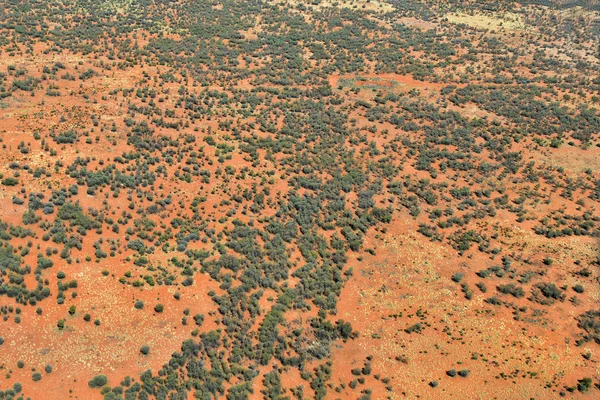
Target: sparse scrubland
(296,200)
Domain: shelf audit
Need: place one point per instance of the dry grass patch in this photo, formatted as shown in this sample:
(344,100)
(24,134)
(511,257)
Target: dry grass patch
(505,22)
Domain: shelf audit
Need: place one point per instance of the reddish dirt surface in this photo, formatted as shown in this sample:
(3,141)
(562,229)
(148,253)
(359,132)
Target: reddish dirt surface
(83,349)
(420,305)
(408,282)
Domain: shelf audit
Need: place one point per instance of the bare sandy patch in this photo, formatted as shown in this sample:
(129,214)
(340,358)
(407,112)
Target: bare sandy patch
(498,22)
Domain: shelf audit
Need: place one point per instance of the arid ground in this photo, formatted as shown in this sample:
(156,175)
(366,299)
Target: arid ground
(299,200)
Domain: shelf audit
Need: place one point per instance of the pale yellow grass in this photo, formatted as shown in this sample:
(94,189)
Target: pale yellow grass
(574,159)
(498,22)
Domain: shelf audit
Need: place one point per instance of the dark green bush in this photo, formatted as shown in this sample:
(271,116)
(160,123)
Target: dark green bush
(98,381)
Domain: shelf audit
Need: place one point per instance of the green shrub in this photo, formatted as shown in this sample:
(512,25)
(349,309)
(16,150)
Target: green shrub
(584,385)
(10,181)
(98,381)
(578,288)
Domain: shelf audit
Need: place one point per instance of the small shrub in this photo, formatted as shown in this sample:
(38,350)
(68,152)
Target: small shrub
(494,301)
(590,323)
(578,288)
(98,381)
(511,289)
(418,328)
(551,291)
(10,181)
(199,319)
(584,384)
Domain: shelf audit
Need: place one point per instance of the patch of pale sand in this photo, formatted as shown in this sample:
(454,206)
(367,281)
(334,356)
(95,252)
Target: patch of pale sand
(577,11)
(470,110)
(572,159)
(499,22)
(118,6)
